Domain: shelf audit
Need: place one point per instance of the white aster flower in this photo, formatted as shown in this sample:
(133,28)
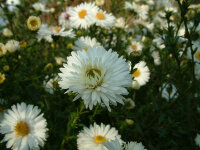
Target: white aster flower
(3,49)
(23,127)
(64,20)
(96,76)
(39,6)
(12,4)
(197,140)
(58,31)
(169,91)
(12,46)
(135,146)
(82,15)
(43,33)
(113,145)
(156,58)
(7,32)
(142,73)
(93,137)
(103,19)
(85,42)
(51,84)
(135,48)
(120,23)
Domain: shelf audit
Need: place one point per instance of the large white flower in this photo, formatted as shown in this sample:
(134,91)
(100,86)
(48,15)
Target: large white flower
(82,15)
(135,146)
(85,42)
(23,127)
(142,73)
(96,76)
(93,137)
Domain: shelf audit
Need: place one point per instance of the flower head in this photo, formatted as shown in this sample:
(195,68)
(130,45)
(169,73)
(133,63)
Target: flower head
(3,49)
(23,127)
(12,46)
(94,137)
(96,76)
(33,23)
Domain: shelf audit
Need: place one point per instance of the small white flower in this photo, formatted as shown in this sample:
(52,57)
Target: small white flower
(51,84)
(12,46)
(142,73)
(120,23)
(84,42)
(39,6)
(135,48)
(156,58)
(12,4)
(64,20)
(135,146)
(197,140)
(169,91)
(24,127)
(94,136)
(7,32)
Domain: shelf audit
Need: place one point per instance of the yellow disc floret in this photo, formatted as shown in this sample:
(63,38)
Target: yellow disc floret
(22,128)
(33,23)
(82,14)
(99,139)
(100,16)
(136,73)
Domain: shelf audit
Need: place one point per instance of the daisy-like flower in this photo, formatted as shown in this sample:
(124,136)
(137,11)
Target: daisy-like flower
(169,91)
(120,23)
(64,20)
(58,31)
(82,15)
(7,32)
(156,58)
(96,76)
(142,73)
(103,19)
(135,48)
(12,46)
(135,146)
(85,42)
(197,140)
(23,127)
(2,78)
(113,145)
(39,6)
(51,84)
(33,23)
(2,49)
(12,4)
(93,137)
(43,33)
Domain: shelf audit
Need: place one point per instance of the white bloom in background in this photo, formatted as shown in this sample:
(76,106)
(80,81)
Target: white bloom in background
(130,122)
(24,127)
(12,46)
(44,33)
(59,60)
(12,4)
(96,76)
(169,91)
(142,73)
(197,140)
(81,16)
(64,20)
(99,2)
(103,19)
(135,146)
(58,31)
(135,48)
(120,23)
(113,145)
(94,136)
(156,57)
(85,42)
(135,85)
(51,84)
(39,6)
(7,32)
(159,42)
(3,49)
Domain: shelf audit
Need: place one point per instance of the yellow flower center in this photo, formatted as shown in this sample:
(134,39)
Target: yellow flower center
(100,139)
(198,55)
(134,47)
(136,73)
(22,44)
(100,16)
(92,72)
(22,128)
(82,14)
(34,22)
(86,48)
(57,29)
